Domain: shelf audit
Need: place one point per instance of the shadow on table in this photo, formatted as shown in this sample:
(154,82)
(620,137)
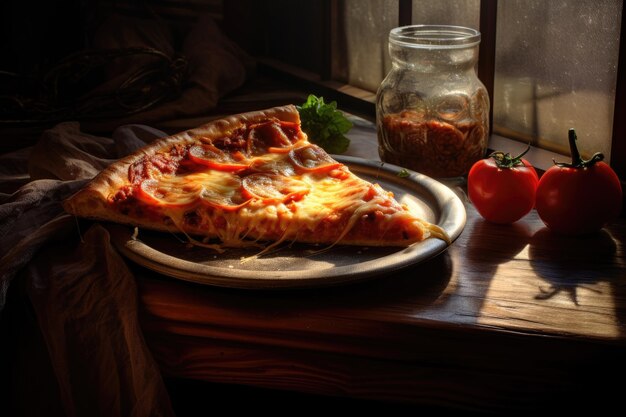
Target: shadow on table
(575,264)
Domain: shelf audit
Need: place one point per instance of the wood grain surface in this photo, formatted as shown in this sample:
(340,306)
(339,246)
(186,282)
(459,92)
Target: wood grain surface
(508,318)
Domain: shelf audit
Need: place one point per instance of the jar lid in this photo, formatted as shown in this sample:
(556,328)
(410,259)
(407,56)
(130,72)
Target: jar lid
(434,36)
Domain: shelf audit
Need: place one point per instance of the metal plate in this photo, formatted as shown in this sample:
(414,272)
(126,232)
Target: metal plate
(299,265)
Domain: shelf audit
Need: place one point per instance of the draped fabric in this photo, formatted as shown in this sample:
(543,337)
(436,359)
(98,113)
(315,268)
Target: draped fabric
(82,293)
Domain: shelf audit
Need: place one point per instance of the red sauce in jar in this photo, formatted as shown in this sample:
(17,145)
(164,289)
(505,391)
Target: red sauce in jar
(433,147)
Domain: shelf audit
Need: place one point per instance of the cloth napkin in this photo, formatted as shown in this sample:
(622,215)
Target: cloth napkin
(82,292)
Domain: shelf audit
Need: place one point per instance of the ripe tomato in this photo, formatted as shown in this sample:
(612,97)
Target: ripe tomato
(581,197)
(502,188)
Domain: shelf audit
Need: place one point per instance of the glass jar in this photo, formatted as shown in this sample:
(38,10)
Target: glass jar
(432,111)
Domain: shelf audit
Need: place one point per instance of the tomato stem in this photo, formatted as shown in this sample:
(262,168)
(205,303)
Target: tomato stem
(577,160)
(505,160)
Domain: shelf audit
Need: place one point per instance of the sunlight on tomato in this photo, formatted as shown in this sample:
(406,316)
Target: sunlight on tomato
(502,188)
(581,197)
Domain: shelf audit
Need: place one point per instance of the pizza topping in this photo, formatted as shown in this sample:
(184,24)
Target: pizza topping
(230,177)
(273,163)
(159,163)
(326,125)
(221,190)
(217,189)
(122,194)
(312,158)
(274,188)
(233,142)
(167,193)
(274,135)
(211,156)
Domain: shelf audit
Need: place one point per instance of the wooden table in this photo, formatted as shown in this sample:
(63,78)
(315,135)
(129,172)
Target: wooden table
(508,318)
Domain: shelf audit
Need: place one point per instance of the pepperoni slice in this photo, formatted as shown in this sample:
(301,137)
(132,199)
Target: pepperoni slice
(312,158)
(217,189)
(168,193)
(274,188)
(213,157)
(272,136)
(222,191)
(273,164)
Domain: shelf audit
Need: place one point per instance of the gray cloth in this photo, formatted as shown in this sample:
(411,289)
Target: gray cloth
(61,162)
(82,292)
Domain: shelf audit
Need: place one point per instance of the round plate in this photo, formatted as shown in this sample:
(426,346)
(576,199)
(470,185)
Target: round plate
(300,265)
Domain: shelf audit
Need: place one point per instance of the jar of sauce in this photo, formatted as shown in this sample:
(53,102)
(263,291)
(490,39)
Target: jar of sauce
(432,111)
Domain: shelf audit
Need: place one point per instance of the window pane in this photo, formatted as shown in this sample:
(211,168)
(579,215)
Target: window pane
(367,27)
(556,65)
(447,12)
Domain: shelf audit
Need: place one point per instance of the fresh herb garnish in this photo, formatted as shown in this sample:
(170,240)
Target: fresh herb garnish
(324,124)
(403,173)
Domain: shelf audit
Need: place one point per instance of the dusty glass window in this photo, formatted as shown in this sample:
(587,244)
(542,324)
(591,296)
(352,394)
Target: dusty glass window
(447,12)
(367,26)
(556,68)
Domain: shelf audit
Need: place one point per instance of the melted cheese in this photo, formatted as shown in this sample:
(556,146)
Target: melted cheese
(341,200)
(214,187)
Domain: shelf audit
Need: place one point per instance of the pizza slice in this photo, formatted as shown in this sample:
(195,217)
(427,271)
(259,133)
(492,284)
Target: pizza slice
(248,179)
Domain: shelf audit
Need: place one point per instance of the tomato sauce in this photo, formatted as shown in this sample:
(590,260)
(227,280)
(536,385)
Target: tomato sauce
(430,146)
(165,163)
